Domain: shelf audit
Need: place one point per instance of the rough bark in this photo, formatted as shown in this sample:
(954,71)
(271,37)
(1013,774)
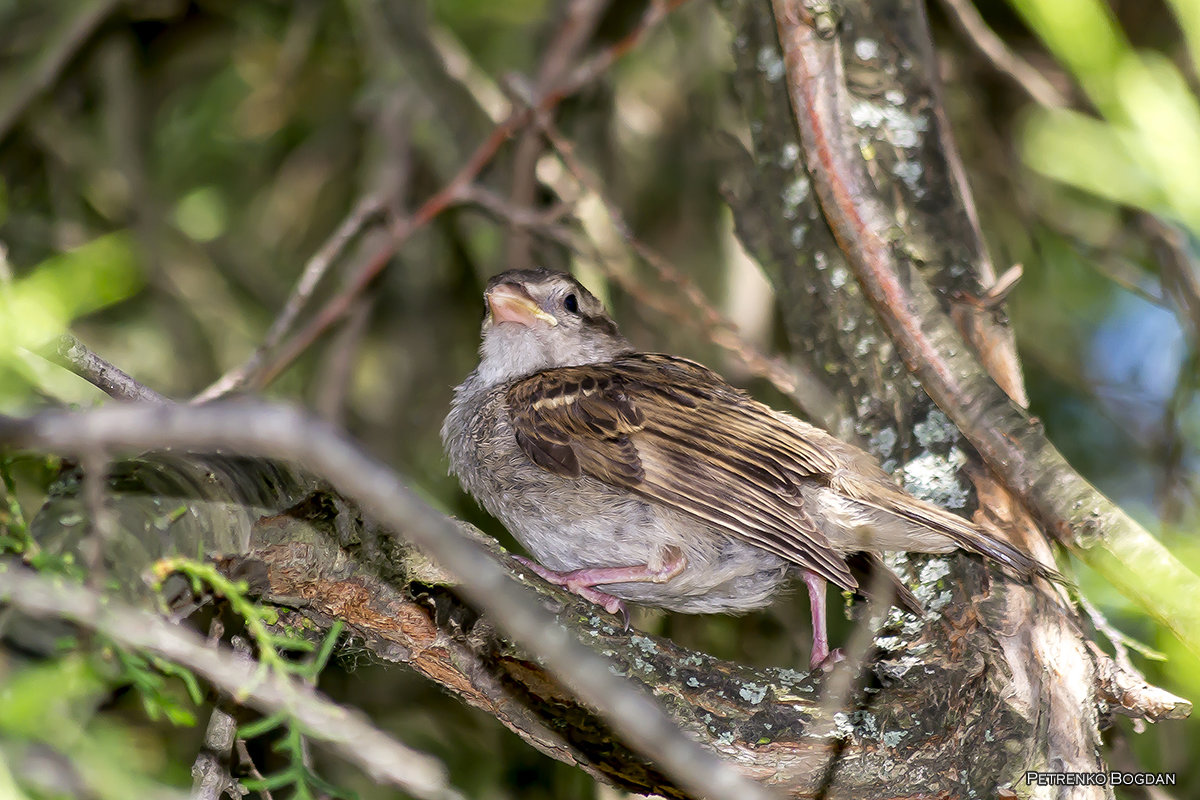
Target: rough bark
(926,719)
(865,130)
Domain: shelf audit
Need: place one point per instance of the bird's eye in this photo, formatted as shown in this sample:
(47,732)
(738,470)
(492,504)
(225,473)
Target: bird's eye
(571,303)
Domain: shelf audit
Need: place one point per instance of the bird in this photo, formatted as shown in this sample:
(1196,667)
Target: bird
(648,478)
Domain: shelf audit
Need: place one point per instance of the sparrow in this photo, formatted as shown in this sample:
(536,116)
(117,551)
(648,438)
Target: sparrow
(648,478)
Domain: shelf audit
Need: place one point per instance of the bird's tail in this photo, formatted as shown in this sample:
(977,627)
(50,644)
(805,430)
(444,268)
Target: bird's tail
(971,537)
(870,572)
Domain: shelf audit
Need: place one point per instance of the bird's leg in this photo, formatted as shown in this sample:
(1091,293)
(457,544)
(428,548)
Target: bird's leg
(582,581)
(821,657)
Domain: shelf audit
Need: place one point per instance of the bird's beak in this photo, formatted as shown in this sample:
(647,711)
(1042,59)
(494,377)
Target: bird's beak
(509,302)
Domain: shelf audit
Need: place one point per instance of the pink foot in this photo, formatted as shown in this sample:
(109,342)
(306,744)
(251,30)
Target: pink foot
(835,656)
(570,582)
(583,581)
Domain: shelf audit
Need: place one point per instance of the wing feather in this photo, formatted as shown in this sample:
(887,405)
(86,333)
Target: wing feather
(676,433)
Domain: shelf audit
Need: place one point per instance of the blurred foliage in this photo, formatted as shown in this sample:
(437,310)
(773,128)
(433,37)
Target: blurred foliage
(186,157)
(37,308)
(1147,136)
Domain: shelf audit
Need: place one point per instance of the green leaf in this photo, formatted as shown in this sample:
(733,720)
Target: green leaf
(252,730)
(48,701)
(39,307)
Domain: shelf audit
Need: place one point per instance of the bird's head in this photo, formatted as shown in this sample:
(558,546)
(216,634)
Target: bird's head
(538,319)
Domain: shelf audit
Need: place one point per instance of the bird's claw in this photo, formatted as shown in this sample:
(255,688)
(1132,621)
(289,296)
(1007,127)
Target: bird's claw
(570,582)
(836,656)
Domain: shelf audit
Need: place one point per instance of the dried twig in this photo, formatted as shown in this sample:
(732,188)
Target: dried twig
(580,19)
(210,769)
(1180,278)
(1001,56)
(363,212)
(1126,691)
(335,374)
(454,191)
(545,222)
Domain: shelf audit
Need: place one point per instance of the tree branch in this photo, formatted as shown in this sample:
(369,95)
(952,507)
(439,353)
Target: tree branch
(71,354)
(1012,445)
(776,725)
(280,432)
(452,192)
(363,212)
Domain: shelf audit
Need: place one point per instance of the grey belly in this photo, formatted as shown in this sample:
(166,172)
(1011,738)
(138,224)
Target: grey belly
(723,574)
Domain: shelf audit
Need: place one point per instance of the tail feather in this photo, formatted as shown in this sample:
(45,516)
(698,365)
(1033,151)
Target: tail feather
(866,566)
(971,537)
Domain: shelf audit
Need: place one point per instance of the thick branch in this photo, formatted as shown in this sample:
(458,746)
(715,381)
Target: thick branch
(941,693)
(1013,445)
(284,433)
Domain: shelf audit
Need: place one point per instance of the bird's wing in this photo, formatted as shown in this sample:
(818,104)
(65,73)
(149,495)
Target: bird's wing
(676,433)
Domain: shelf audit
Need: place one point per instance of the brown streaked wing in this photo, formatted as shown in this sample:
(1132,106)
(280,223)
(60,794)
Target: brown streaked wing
(676,433)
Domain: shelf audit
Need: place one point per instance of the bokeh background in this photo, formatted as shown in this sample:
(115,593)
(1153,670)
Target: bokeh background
(168,167)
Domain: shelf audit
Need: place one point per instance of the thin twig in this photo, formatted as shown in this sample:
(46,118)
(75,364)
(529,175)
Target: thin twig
(598,64)
(848,677)
(334,377)
(363,212)
(210,769)
(347,731)
(1180,280)
(453,192)
(580,19)
(1001,56)
(545,222)
(69,353)
(280,432)
(101,523)
(243,754)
